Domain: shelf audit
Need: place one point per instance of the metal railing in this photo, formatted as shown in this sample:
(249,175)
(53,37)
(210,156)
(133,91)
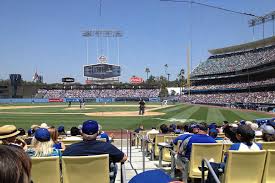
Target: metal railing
(210,170)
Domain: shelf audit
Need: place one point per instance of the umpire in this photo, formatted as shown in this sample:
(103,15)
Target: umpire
(141,107)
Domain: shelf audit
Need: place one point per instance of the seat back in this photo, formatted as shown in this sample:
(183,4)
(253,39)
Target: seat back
(166,153)
(85,169)
(244,166)
(221,135)
(226,147)
(159,138)
(269,169)
(151,138)
(268,145)
(69,142)
(101,139)
(211,151)
(45,169)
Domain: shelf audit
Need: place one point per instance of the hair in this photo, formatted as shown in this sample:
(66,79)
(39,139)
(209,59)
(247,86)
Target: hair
(246,134)
(42,149)
(54,134)
(15,165)
(230,132)
(203,126)
(22,132)
(75,131)
(213,134)
(164,128)
(268,137)
(89,137)
(225,122)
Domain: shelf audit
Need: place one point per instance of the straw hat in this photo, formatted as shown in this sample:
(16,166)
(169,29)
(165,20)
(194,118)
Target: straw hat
(7,131)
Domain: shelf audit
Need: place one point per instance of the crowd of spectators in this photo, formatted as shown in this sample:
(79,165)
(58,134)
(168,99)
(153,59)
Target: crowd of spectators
(234,85)
(235,61)
(45,141)
(229,98)
(98,93)
(15,163)
(241,134)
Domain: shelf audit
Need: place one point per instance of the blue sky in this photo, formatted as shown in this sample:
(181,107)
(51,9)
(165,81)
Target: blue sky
(46,35)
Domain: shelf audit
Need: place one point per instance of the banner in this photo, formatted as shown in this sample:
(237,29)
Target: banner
(56,100)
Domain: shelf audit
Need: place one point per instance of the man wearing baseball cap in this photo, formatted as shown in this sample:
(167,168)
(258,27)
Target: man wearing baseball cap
(90,146)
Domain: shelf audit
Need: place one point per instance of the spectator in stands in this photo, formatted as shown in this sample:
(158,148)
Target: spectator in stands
(61,131)
(186,146)
(179,129)
(90,146)
(200,137)
(152,131)
(15,165)
(28,140)
(164,129)
(268,133)
(54,137)
(172,128)
(214,134)
(140,128)
(102,134)
(8,134)
(42,144)
(230,134)
(245,135)
(189,132)
(75,134)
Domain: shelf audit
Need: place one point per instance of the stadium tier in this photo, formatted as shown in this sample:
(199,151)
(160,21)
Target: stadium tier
(98,93)
(238,74)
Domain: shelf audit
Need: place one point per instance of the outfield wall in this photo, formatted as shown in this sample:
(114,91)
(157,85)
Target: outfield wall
(66,100)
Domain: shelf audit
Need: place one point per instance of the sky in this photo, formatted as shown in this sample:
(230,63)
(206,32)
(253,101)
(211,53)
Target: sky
(46,35)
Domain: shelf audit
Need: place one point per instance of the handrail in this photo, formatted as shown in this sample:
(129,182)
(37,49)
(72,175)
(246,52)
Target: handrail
(210,170)
(173,162)
(122,173)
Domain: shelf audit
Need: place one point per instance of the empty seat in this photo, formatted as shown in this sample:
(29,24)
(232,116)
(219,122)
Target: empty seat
(211,152)
(268,145)
(85,169)
(244,166)
(269,176)
(45,169)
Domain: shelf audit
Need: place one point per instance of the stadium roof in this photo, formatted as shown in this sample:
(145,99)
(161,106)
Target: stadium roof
(242,47)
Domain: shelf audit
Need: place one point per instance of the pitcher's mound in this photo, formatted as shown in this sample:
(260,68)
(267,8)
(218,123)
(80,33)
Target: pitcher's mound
(124,113)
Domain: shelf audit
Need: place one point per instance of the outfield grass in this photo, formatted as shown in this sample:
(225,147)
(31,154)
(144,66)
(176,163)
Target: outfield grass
(174,114)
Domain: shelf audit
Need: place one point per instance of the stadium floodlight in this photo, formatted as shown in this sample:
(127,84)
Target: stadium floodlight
(261,20)
(102,33)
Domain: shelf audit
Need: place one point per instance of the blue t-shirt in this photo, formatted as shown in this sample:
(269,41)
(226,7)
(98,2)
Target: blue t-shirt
(197,138)
(57,146)
(181,137)
(94,147)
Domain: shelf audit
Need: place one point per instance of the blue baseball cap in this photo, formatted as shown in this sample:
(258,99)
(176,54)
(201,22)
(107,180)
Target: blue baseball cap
(90,127)
(61,129)
(42,135)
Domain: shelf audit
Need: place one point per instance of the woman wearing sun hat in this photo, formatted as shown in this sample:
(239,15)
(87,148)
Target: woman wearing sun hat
(42,144)
(8,134)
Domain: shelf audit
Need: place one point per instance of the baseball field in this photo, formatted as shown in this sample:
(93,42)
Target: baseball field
(118,115)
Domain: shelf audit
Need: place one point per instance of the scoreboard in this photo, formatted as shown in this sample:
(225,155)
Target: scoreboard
(102,71)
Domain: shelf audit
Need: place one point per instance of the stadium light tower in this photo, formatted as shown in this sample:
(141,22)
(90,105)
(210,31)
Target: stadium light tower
(102,34)
(262,20)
